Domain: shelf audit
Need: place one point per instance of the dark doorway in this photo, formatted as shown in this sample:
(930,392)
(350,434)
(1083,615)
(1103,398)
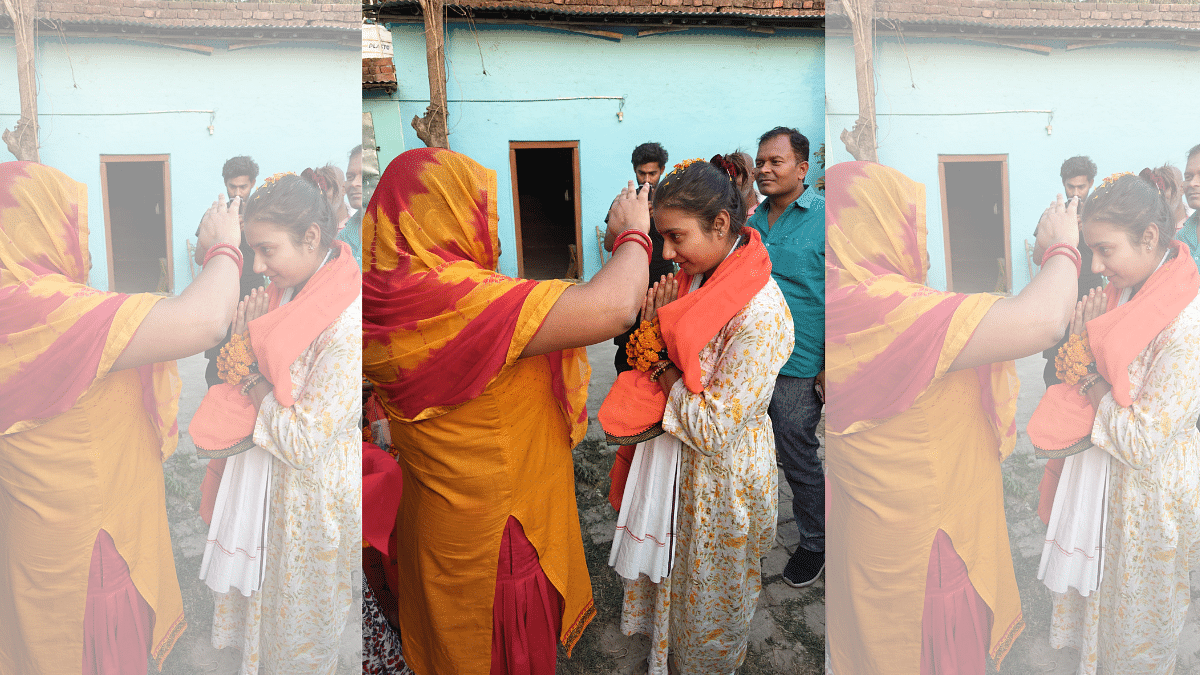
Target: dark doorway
(975,223)
(545,181)
(137,222)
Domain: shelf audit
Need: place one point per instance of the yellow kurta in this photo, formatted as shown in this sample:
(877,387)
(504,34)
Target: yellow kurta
(506,452)
(892,487)
(96,466)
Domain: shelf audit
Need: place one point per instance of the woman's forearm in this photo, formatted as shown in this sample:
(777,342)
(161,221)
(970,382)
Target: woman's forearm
(1032,321)
(599,310)
(189,323)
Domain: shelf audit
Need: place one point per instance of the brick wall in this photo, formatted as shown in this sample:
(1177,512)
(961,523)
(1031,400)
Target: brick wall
(1007,13)
(203,13)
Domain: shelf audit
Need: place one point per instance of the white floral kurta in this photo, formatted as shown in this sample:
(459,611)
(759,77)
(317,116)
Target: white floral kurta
(1133,622)
(728,497)
(294,624)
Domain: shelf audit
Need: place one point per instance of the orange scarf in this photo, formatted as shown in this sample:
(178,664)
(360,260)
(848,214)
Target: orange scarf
(887,334)
(633,409)
(1061,424)
(224,423)
(438,322)
(53,326)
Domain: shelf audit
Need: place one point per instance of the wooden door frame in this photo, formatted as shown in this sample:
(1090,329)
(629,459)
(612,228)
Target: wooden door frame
(943,160)
(105,160)
(513,146)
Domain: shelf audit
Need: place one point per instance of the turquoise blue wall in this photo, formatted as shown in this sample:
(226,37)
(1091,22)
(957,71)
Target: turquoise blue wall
(697,92)
(287,106)
(1126,106)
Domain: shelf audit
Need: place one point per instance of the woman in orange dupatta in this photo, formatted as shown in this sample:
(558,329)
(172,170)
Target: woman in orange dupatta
(1138,410)
(88,402)
(922,412)
(486,389)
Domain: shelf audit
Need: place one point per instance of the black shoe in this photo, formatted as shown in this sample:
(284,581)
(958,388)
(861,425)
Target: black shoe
(803,568)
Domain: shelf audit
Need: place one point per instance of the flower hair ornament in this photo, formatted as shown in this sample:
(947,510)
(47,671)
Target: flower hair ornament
(268,182)
(1111,180)
(680,167)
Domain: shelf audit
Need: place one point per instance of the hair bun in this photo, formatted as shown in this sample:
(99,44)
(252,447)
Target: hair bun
(316,179)
(1149,175)
(726,166)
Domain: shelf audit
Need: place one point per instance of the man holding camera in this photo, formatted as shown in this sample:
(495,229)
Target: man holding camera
(649,165)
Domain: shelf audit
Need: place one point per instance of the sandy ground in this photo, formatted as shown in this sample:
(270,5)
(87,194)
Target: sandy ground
(183,472)
(788,631)
(1032,654)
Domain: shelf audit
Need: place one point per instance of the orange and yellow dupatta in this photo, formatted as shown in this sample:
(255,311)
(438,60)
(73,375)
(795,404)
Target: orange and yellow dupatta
(58,337)
(55,338)
(887,334)
(438,322)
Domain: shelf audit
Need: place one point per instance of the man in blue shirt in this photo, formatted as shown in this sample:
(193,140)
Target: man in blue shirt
(1191,192)
(352,232)
(792,224)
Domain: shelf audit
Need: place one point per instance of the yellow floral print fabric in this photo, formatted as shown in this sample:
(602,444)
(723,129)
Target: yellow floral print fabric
(728,497)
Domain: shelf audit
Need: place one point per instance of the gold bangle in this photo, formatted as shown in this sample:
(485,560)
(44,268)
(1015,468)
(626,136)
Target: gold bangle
(662,367)
(249,382)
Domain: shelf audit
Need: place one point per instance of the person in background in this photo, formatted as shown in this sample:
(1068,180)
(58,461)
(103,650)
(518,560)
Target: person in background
(792,225)
(649,164)
(1078,174)
(1191,192)
(240,174)
(352,232)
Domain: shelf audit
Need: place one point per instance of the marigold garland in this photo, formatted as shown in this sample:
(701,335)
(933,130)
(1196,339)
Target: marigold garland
(1074,359)
(687,162)
(1108,182)
(645,346)
(233,365)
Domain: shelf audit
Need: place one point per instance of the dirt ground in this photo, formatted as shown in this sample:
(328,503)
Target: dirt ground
(788,631)
(183,473)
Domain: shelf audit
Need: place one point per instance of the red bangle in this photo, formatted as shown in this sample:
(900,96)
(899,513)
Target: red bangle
(1068,250)
(642,237)
(233,249)
(226,250)
(638,237)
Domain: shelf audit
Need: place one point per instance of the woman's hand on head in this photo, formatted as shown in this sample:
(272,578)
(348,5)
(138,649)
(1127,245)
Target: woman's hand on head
(220,224)
(1059,225)
(630,210)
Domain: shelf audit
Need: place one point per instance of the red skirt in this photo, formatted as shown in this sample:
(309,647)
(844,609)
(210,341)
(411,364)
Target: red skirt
(956,625)
(117,620)
(527,610)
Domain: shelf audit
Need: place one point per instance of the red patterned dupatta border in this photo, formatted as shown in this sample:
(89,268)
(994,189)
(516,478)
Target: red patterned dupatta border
(438,323)
(55,331)
(888,336)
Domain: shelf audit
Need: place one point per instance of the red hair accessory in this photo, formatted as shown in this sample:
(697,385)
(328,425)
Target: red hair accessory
(1154,178)
(317,178)
(728,167)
